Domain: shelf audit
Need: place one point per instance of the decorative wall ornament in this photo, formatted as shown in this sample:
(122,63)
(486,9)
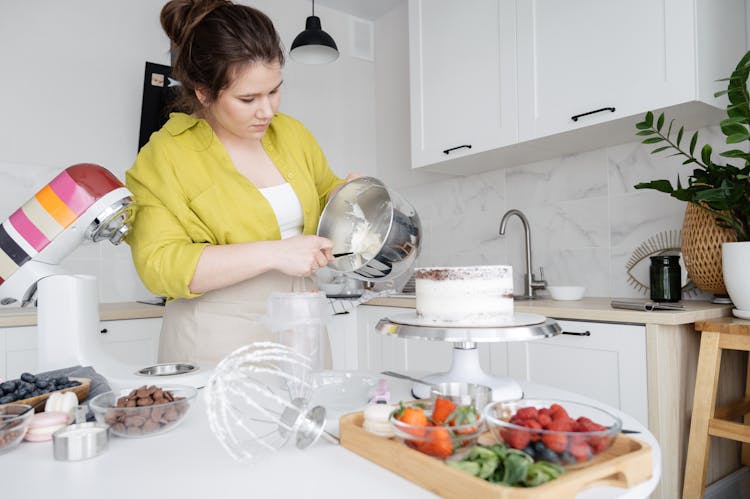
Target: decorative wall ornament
(668,242)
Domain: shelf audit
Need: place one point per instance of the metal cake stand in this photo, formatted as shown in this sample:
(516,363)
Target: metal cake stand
(465,365)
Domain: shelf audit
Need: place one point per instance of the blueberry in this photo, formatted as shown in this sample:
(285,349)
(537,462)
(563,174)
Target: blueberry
(21,394)
(36,393)
(42,384)
(61,380)
(567,458)
(7,399)
(547,454)
(529,449)
(9,386)
(73,383)
(538,446)
(28,377)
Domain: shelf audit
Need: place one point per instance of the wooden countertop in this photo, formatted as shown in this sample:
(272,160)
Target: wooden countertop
(597,309)
(17,316)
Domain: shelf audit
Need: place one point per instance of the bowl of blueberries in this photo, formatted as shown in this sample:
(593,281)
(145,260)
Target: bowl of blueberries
(33,389)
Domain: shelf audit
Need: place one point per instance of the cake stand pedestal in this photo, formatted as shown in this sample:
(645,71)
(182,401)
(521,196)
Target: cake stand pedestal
(465,365)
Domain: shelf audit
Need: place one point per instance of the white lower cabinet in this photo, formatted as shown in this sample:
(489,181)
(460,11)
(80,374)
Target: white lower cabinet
(131,341)
(604,361)
(342,334)
(19,352)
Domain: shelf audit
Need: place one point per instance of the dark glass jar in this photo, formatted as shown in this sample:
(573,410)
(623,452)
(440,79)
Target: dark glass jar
(665,278)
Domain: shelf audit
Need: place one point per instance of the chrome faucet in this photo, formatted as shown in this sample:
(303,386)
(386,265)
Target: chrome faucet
(530,282)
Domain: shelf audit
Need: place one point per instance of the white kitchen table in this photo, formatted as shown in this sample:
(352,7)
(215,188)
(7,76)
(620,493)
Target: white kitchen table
(189,462)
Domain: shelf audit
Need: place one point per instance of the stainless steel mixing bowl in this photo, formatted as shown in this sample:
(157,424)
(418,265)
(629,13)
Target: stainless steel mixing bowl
(389,215)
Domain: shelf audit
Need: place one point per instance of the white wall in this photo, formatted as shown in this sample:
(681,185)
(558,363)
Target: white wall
(71,82)
(72,85)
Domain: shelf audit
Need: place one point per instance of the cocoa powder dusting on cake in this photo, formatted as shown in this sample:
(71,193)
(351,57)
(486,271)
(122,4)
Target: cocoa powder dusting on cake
(458,273)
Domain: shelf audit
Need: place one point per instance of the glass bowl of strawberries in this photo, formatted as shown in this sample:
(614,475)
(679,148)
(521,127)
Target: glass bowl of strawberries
(438,427)
(558,431)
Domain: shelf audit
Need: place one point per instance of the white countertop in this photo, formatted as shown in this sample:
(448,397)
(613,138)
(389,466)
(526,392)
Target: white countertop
(189,462)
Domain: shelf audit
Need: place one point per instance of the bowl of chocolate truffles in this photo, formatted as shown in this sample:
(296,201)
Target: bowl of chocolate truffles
(144,411)
(14,420)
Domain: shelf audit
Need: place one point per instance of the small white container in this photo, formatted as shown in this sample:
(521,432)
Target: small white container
(566,293)
(80,441)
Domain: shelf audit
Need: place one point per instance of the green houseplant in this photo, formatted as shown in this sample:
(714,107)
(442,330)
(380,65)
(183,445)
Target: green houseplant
(721,189)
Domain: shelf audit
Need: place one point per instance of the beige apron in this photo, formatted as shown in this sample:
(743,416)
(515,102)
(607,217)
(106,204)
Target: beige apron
(206,329)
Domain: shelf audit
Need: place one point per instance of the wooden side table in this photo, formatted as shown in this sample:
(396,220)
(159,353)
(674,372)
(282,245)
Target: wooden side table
(708,420)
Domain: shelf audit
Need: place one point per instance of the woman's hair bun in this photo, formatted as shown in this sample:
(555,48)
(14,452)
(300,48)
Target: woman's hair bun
(180,17)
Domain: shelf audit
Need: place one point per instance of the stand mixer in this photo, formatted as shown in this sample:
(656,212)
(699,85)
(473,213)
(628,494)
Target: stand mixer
(84,203)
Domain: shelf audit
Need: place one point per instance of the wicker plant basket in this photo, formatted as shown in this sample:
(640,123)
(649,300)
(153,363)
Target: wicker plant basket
(701,249)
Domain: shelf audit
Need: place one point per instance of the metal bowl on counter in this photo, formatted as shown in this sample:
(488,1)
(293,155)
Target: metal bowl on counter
(376,233)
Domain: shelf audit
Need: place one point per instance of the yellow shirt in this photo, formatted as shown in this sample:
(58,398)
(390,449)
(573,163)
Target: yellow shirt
(188,195)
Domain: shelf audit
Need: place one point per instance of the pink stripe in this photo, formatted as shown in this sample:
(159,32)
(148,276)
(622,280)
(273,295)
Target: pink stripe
(28,230)
(73,195)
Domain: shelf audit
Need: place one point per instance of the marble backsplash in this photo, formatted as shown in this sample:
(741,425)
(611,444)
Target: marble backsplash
(585,216)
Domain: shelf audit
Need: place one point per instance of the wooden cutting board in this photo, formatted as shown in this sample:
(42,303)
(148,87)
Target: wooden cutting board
(627,463)
(81,391)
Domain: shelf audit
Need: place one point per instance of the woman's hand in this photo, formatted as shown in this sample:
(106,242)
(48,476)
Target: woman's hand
(303,255)
(348,178)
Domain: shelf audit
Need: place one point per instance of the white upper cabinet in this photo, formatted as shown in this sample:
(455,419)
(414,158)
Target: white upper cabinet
(585,62)
(536,79)
(463,93)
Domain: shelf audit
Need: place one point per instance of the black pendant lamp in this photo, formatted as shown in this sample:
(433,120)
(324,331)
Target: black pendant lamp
(313,45)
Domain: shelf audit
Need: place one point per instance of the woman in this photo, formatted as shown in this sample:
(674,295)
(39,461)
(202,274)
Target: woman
(227,195)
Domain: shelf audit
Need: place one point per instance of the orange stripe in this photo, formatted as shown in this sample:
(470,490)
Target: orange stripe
(55,206)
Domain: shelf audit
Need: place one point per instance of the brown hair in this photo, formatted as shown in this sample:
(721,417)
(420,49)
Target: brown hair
(211,39)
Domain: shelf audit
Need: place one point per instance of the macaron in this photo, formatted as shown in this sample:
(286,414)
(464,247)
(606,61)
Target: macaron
(376,420)
(44,424)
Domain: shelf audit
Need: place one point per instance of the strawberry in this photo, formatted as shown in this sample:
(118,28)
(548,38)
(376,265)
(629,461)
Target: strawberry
(598,444)
(413,416)
(558,412)
(439,443)
(544,419)
(560,425)
(534,425)
(442,409)
(580,450)
(518,439)
(527,413)
(556,442)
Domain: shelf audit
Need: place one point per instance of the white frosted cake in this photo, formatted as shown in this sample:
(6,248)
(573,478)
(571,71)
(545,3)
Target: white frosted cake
(481,294)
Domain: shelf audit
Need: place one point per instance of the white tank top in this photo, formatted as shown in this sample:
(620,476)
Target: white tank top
(287,208)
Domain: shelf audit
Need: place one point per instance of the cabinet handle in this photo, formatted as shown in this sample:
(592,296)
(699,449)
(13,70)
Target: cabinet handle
(448,151)
(104,331)
(585,333)
(575,118)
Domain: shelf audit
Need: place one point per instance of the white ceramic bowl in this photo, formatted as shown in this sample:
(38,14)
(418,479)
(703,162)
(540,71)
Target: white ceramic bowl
(566,293)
